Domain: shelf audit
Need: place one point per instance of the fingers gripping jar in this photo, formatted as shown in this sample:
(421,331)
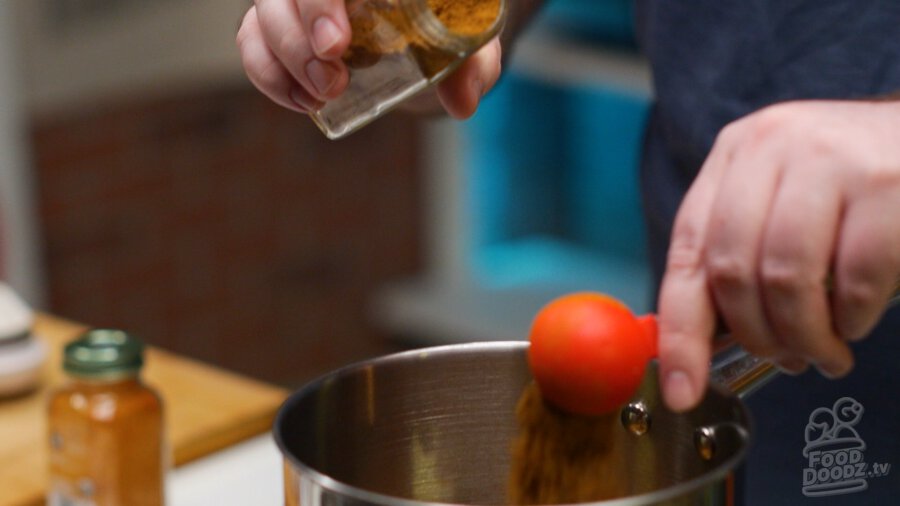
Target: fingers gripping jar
(400,47)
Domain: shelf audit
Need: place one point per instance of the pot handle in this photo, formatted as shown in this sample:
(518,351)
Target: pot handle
(736,369)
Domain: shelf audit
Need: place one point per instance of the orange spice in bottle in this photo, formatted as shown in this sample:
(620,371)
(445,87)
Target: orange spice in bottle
(400,47)
(105,427)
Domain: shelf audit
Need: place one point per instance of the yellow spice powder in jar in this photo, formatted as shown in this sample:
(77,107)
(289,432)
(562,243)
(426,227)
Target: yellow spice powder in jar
(468,17)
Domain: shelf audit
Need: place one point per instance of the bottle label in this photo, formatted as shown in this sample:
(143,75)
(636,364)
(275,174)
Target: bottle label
(63,494)
(69,458)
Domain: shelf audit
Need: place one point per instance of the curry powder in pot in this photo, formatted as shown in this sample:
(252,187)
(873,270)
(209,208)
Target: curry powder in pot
(563,458)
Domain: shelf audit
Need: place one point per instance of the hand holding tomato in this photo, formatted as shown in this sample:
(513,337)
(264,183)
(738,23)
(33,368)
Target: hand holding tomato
(588,352)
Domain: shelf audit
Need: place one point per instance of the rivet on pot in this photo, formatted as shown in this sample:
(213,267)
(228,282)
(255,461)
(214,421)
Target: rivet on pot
(705,442)
(636,418)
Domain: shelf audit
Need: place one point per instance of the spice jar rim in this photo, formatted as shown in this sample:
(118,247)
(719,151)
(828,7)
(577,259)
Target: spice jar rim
(439,35)
(104,354)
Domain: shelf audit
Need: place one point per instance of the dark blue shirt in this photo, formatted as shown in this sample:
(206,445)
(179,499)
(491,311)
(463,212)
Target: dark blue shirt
(715,61)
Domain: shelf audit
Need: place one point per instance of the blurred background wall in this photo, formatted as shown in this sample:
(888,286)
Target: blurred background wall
(20,258)
(148,186)
(174,200)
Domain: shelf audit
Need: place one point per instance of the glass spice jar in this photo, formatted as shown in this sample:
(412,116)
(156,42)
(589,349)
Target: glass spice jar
(399,48)
(105,427)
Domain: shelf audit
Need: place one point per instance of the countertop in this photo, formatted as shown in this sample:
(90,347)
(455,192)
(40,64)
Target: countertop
(207,410)
(248,473)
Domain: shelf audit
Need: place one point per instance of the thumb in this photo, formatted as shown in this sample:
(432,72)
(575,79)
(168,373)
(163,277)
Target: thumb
(461,92)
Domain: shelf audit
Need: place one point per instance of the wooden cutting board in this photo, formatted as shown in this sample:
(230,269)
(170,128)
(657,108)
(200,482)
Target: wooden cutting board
(207,409)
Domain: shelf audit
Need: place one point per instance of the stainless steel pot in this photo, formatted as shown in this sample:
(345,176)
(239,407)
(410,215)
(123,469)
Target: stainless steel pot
(436,426)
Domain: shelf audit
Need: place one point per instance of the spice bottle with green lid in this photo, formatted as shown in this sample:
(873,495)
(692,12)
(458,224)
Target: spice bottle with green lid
(399,48)
(105,427)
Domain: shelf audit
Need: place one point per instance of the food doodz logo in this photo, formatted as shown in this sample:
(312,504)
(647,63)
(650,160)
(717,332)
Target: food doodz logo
(835,452)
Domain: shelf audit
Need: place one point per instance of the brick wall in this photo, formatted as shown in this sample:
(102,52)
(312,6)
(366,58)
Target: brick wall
(219,226)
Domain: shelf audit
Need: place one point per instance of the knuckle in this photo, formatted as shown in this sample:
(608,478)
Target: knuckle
(786,276)
(882,175)
(686,245)
(859,291)
(242,38)
(775,115)
(730,133)
(675,343)
(268,76)
(728,269)
(292,46)
(684,254)
(669,347)
(769,122)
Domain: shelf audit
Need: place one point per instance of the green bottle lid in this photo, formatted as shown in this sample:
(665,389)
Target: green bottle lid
(104,353)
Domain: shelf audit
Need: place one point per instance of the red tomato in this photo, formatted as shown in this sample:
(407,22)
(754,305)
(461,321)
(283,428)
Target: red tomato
(588,352)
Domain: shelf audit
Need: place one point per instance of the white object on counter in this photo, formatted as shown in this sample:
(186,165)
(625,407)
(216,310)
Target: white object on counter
(20,366)
(247,473)
(21,356)
(15,316)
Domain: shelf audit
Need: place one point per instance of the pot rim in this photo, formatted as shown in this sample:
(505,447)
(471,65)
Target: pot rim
(720,472)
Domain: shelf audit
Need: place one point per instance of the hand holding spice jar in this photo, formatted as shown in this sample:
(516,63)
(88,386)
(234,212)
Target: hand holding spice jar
(347,66)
